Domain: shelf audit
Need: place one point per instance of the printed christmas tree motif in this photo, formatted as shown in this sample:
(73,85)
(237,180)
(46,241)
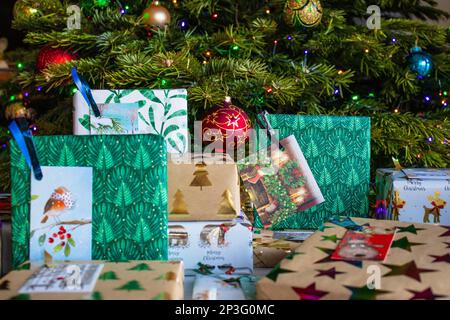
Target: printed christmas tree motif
(201,176)
(131,286)
(109,275)
(168,276)
(179,205)
(226,205)
(96,296)
(4,285)
(162,296)
(141,267)
(22,296)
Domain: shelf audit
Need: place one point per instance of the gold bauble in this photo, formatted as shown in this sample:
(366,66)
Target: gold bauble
(16,110)
(34,8)
(156,15)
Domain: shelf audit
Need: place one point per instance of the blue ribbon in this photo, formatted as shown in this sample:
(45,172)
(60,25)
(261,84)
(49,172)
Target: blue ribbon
(85,90)
(24,138)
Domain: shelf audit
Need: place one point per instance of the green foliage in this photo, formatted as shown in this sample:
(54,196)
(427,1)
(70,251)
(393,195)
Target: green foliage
(119,51)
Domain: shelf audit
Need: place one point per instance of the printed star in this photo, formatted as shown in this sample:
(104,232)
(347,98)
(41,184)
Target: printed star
(446,233)
(273,275)
(330,273)
(411,229)
(309,293)
(404,244)
(364,293)
(329,252)
(333,238)
(443,258)
(448,244)
(408,269)
(426,294)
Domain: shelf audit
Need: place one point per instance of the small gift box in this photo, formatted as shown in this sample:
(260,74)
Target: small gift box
(131,280)
(223,247)
(202,187)
(136,111)
(415,195)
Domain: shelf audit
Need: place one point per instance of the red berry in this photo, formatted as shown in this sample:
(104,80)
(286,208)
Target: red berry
(61,228)
(61,237)
(55,235)
(60,232)
(63,243)
(50,240)
(69,236)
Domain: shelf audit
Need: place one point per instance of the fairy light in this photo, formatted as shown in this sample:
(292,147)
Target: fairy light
(427,98)
(355,97)
(396,110)
(12,98)
(430,139)
(267,11)
(289,37)
(394,40)
(74,90)
(340,72)
(371,95)
(20,65)
(215,15)
(366,50)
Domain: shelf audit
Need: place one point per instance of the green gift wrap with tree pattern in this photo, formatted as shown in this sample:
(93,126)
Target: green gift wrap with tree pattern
(338,152)
(129,193)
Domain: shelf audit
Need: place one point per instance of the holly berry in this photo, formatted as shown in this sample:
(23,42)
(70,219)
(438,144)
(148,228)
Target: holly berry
(63,243)
(55,235)
(50,240)
(69,236)
(61,237)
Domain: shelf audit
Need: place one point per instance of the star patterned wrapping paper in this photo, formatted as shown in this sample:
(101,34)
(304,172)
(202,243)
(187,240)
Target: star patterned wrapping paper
(417,266)
(131,280)
(129,193)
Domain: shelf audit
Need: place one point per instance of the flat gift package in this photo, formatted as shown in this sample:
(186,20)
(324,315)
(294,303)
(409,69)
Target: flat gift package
(337,150)
(137,111)
(416,266)
(279,182)
(100,198)
(414,195)
(202,187)
(131,280)
(223,247)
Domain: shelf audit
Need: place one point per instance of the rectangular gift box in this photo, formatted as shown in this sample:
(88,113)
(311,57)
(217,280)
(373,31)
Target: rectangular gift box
(212,246)
(131,280)
(5,245)
(416,266)
(414,195)
(337,150)
(137,111)
(202,187)
(101,198)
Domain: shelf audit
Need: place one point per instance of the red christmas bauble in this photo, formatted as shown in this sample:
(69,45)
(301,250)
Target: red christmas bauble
(226,123)
(49,55)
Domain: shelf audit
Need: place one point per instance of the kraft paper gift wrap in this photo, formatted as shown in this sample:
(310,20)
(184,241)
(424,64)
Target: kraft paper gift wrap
(136,111)
(338,152)
(416,267)
(215,246)
(414,199)
(202,187)
(128,198)
(131,280)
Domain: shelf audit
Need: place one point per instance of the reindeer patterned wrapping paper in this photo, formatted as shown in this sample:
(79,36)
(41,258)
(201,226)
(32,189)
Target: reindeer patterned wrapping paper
(416,267)
(223,247)
(424,199)
(131,280)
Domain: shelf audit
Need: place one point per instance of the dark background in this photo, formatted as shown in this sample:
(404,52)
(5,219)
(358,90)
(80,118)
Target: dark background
(14,37)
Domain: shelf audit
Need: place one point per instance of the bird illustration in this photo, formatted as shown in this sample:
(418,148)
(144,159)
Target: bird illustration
(60,200)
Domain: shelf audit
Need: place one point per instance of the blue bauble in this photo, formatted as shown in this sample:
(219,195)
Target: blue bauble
(420,62)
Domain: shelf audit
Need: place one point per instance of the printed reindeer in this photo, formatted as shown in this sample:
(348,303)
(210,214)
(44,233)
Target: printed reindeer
(437,204)
(397,204)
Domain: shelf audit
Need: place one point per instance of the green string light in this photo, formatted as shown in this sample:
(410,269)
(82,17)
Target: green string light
(20,65)
(12,98)
(355,97)
(371,95)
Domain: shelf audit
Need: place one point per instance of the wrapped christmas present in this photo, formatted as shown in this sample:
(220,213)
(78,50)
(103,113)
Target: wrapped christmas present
(413,195)
(100,198)
(95,280)
(203,187)
(268,251)
(132,111)
(416,265)
(337,150)
(5,245)
(279,182)
(212,247)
